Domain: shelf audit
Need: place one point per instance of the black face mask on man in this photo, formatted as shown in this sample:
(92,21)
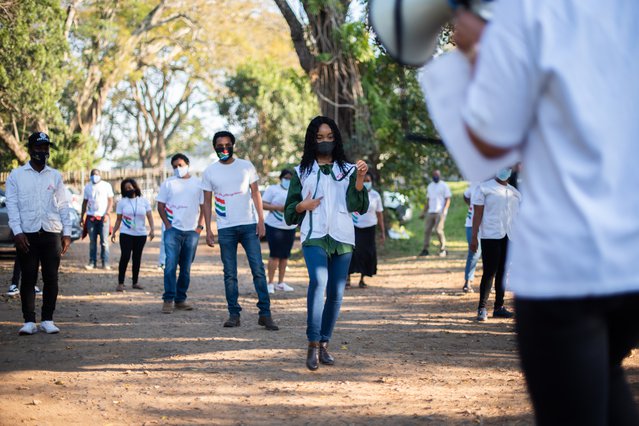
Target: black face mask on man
(325,148)
(40,158)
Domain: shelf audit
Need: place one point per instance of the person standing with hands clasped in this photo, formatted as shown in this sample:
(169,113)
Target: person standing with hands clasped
(97,204)
(240,219)
(324,191)
(132,210)
(39,216)
(180,205)
(435,211)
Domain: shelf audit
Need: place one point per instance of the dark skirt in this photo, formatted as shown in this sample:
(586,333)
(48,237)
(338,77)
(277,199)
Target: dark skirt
(280,242)
(364,259)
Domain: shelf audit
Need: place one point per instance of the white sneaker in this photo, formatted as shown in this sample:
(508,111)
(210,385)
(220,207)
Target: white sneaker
(89,266)
(13,290)
(271,288)
(49,327)
(28,328)
(37,290)
(283,287)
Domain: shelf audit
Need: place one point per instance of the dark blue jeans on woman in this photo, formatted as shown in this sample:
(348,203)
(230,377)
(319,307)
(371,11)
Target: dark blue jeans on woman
(180,248)
(326,273)
(228,239)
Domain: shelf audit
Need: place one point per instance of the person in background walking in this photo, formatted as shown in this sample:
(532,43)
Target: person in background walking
(40,219)
(495,205)
(279,235)
(180,205)
(435,211)
(14,286)
(132,211)
(364,261)
(325,190)
(472,257)
(97,204)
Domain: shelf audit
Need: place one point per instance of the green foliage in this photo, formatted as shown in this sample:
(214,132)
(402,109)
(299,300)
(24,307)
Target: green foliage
(271,106)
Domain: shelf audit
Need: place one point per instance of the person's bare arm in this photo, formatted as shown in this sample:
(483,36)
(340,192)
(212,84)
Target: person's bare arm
(257,201)
(210,239)
(163,216)
(478,215)
(149,217)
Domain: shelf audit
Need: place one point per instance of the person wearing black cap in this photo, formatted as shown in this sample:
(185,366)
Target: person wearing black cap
(39,217)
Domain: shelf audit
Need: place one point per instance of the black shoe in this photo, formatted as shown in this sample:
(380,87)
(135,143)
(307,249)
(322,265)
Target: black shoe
(324,356)
(268,323)
(233,321)
(424,253)
(467,288)
(362,284)
(312,357)
(502,312)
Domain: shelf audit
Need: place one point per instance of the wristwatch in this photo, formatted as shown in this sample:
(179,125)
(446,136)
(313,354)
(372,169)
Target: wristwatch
(199,227)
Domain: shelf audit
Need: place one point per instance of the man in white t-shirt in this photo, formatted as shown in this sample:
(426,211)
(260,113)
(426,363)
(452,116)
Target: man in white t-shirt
(240,220)
(97,204)
(557,82)
(471,258)
(435,211)
(180,205)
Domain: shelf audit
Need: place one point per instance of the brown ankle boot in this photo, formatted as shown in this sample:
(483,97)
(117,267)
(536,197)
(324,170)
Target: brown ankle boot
(324,356)
(312,358)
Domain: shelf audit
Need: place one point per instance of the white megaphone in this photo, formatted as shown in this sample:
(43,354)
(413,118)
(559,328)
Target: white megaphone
(409,29)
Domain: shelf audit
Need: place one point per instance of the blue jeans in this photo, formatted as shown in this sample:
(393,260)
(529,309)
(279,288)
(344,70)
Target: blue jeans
(94,229)
(471,258)
(180,250)
(228,238)
(326,273)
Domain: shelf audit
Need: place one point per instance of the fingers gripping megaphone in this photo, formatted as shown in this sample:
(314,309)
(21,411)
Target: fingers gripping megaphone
(409,29)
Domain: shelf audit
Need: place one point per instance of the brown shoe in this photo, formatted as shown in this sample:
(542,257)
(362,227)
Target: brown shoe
(167,307)
(312,357)
(324,356)
(233,321)
(120,287)
(183,306)
(268,323)
(138,287)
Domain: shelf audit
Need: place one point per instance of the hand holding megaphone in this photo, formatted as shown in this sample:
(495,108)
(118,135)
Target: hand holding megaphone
(410,29)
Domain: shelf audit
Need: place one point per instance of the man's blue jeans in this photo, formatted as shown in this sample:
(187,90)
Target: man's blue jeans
(180,250)
(326,273)
(95,229)
(471,258)
(228,238)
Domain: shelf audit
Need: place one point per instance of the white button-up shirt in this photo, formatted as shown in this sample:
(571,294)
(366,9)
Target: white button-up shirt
(37,201)
(501,205)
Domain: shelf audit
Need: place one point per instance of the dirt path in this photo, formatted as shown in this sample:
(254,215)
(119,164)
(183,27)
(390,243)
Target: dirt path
(408,352)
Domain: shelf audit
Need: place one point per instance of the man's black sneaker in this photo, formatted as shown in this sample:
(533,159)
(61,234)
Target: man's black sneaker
(502,313)
(424,253)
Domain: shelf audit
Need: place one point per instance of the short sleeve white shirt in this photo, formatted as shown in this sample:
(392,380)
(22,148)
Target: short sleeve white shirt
(468,193)
(369,218)
(97,196)
(501,206)
(231,187)
(133,211)
(276,195)
(182,199)
(437,194)
(558,80)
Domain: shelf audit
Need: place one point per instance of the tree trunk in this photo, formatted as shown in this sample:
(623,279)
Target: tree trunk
(13,144)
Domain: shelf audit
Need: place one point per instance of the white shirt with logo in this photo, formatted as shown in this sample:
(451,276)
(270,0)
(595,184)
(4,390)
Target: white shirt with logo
(437,194)
(276,195)
(133,211)
(230,184)
(369,218)
(97,196)
(501,206)
(182,199)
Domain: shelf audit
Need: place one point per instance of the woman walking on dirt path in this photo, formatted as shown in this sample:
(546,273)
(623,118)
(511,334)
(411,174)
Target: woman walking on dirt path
(364,261)
(325,189)
(131,212)
(279,235)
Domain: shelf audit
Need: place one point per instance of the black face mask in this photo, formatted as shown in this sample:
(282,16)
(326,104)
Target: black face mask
(130,193)
(40,158)
(224,153)
(325,148)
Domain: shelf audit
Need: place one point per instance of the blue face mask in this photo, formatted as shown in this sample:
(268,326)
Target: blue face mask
(95,179)
(504,174)
(286,183)
(368,185)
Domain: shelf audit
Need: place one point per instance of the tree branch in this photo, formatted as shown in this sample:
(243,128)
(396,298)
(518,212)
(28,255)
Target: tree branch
(306,58)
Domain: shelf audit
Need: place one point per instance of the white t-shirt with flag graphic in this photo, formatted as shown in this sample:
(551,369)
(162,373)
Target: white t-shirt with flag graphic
(276,195)
(369,218)
(133,211)
(231,187)
(182,199)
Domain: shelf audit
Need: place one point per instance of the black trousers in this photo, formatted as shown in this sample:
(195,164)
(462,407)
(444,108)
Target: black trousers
(44,249)
(571,352)
(130,244)
(493,256)
(15,278)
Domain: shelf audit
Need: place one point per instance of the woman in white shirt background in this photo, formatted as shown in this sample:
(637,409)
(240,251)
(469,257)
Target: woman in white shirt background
(132,211)
(279,235)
